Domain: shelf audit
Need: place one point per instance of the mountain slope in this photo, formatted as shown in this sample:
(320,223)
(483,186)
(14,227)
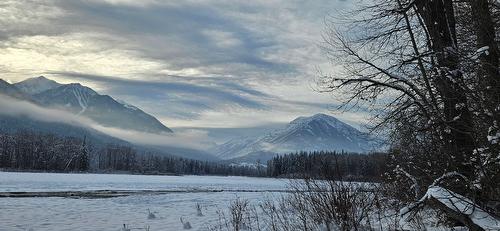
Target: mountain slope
(13,124)
(10,90)
(36,85)
(76,98)
(318,132)
(103,109)
(21,123)
(72,97)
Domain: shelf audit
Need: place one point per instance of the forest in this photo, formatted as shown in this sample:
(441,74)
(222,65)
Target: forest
(50,153)
(329,165)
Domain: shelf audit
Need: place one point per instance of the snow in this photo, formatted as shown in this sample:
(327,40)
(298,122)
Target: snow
(58,213)
(54,214)
(447,175)
(127,105)
(43,182)
(150,211)
(415,187)
(249,165)
(494,139)
(463,205)
(82,95)
(481,51)
(484,50)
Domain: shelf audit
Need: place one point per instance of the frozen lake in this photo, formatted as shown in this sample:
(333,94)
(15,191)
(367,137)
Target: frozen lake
(35,182)
(62,213)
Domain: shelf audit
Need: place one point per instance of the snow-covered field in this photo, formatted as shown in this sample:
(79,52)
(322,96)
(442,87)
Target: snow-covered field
(62,213)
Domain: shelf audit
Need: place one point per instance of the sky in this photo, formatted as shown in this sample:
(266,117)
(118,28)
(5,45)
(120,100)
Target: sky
(214,64)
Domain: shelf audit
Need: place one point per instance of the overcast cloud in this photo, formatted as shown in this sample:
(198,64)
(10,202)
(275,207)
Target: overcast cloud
(208,63)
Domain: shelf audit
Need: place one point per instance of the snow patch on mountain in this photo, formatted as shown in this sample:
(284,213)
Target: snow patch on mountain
(129,106)
(82,94)
(73,96)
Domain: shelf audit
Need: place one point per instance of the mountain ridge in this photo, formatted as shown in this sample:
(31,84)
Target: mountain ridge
(12,91)
(82,100)
(36,85)
(26,121)
(319,132)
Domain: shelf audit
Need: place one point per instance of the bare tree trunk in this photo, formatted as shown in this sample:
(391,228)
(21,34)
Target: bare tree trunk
(439,20)
(488,71)
(489,79)
(455,215)
(485,32)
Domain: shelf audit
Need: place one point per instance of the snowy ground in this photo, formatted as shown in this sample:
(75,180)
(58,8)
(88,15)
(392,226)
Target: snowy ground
(57,213)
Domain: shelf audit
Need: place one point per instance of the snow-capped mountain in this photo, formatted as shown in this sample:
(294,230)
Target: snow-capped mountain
(84,101)
(318,132)
(12,124)
(102,109)
(36,85)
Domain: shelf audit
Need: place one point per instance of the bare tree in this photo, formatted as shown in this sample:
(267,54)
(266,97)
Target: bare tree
(412,64)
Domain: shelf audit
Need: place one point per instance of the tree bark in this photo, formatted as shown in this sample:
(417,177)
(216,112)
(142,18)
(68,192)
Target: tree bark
(439,19)
(485,32)
(489,79)
(488,71)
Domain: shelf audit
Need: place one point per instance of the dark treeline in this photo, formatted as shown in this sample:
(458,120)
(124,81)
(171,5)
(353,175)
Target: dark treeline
(46,152)
(331,165)
(125,158)
(30,151)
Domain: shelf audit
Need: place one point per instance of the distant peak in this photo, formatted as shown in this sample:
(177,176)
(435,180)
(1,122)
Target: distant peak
(36,85)
(322,116)
(319,116)
(38,79)
(4,83)
(45,79)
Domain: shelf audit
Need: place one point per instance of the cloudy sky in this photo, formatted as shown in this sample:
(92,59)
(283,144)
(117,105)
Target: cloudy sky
(205,63)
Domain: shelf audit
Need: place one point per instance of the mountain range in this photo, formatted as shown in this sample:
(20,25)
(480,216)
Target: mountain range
(84,101)
(319,132)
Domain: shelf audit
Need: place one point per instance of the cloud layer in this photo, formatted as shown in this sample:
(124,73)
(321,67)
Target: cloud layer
(206,63)
(192,139)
